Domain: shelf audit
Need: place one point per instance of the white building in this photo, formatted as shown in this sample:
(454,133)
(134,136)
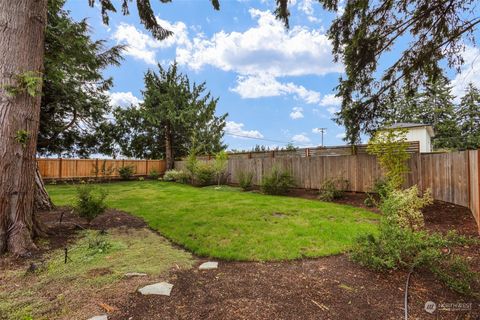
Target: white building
(423,133)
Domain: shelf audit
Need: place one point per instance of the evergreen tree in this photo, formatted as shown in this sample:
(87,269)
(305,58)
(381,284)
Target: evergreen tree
(75,99)
(469,118)
(174,118)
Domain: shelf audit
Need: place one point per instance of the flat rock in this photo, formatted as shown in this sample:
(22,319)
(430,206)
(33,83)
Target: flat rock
(161,288)
(208,265)
(102,317)
(135,274)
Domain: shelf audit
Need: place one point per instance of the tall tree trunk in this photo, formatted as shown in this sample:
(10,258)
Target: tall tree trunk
(22,31)
(42,200)
(168,147)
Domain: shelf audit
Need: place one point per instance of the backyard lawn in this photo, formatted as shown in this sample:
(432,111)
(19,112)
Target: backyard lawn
(230,224)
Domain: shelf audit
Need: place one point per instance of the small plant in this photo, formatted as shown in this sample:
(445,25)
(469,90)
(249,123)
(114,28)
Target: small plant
(126,172)
(98,244)
(332,189)
(403,207)
(104,171)
(245,180)
(176,175)
(192,164)
(369,201)
(154,174)
(90,202)
(28,81)
(141,178)
(22,136)
(204,174)
(381,187)
(277,182)
(220,165)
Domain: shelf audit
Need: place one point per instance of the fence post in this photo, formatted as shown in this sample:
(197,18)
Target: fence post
(60,168)
(96,168)
(478,190)
(273,153)
(146,167)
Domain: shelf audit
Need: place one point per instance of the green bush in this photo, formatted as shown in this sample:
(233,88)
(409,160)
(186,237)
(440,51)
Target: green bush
(90,202)
(154,174)
(277,182)
(403,207)
(204,174)
(176,175)
(332,189)
(126,172)
(401,244)
(245,180)
(381,187)
(400,248)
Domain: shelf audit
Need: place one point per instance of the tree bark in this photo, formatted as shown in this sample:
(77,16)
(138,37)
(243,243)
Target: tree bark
(22,31)
(168,147)
(42,200)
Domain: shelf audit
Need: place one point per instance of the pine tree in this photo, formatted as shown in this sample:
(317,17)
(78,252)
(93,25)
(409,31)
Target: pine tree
(174,118)
(469,118)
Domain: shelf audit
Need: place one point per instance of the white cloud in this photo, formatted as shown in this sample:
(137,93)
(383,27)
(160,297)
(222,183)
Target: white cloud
(297,113)
(306,6)
(236,130)
(300,138)
(123,99)
(142,46)
(266,48)
(341,135)
(331,100)
(267,86)
(470,72)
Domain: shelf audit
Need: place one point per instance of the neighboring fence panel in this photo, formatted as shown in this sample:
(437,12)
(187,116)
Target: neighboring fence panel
(453,177)
(91,168)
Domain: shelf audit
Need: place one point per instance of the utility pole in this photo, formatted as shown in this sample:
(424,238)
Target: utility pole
(322,131)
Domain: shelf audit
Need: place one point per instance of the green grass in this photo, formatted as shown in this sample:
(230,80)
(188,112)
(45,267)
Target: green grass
(234,225)
(59,290)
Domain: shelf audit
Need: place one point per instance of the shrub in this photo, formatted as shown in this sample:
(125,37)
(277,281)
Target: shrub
(204,174)
(90,202)
(176,175)
(332,189)
(381,187)
(126,172)
(141,179)
(245,180)
(277,182)
(400,248)
(403,207)
(401,244)
(154,174)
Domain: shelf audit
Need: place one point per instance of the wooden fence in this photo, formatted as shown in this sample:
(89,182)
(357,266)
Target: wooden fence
(93,168)
(453,177)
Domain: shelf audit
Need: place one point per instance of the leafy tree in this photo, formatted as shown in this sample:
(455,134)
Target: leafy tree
(469,118)
(174,118)
(390,146)
(74,99)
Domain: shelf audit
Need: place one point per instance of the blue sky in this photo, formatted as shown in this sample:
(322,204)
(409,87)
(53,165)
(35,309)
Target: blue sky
(275,84)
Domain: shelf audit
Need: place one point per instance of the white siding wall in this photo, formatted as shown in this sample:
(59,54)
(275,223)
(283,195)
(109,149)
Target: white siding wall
(421,135)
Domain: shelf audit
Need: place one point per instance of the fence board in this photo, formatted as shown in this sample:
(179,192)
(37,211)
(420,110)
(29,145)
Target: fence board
(86,168)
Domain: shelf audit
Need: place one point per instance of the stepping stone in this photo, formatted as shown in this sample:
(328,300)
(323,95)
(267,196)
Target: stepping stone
(161,288)
(135,274)
(208,265)
(102,317)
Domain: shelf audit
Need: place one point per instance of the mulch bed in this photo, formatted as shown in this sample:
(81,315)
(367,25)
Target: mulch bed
(325,288)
